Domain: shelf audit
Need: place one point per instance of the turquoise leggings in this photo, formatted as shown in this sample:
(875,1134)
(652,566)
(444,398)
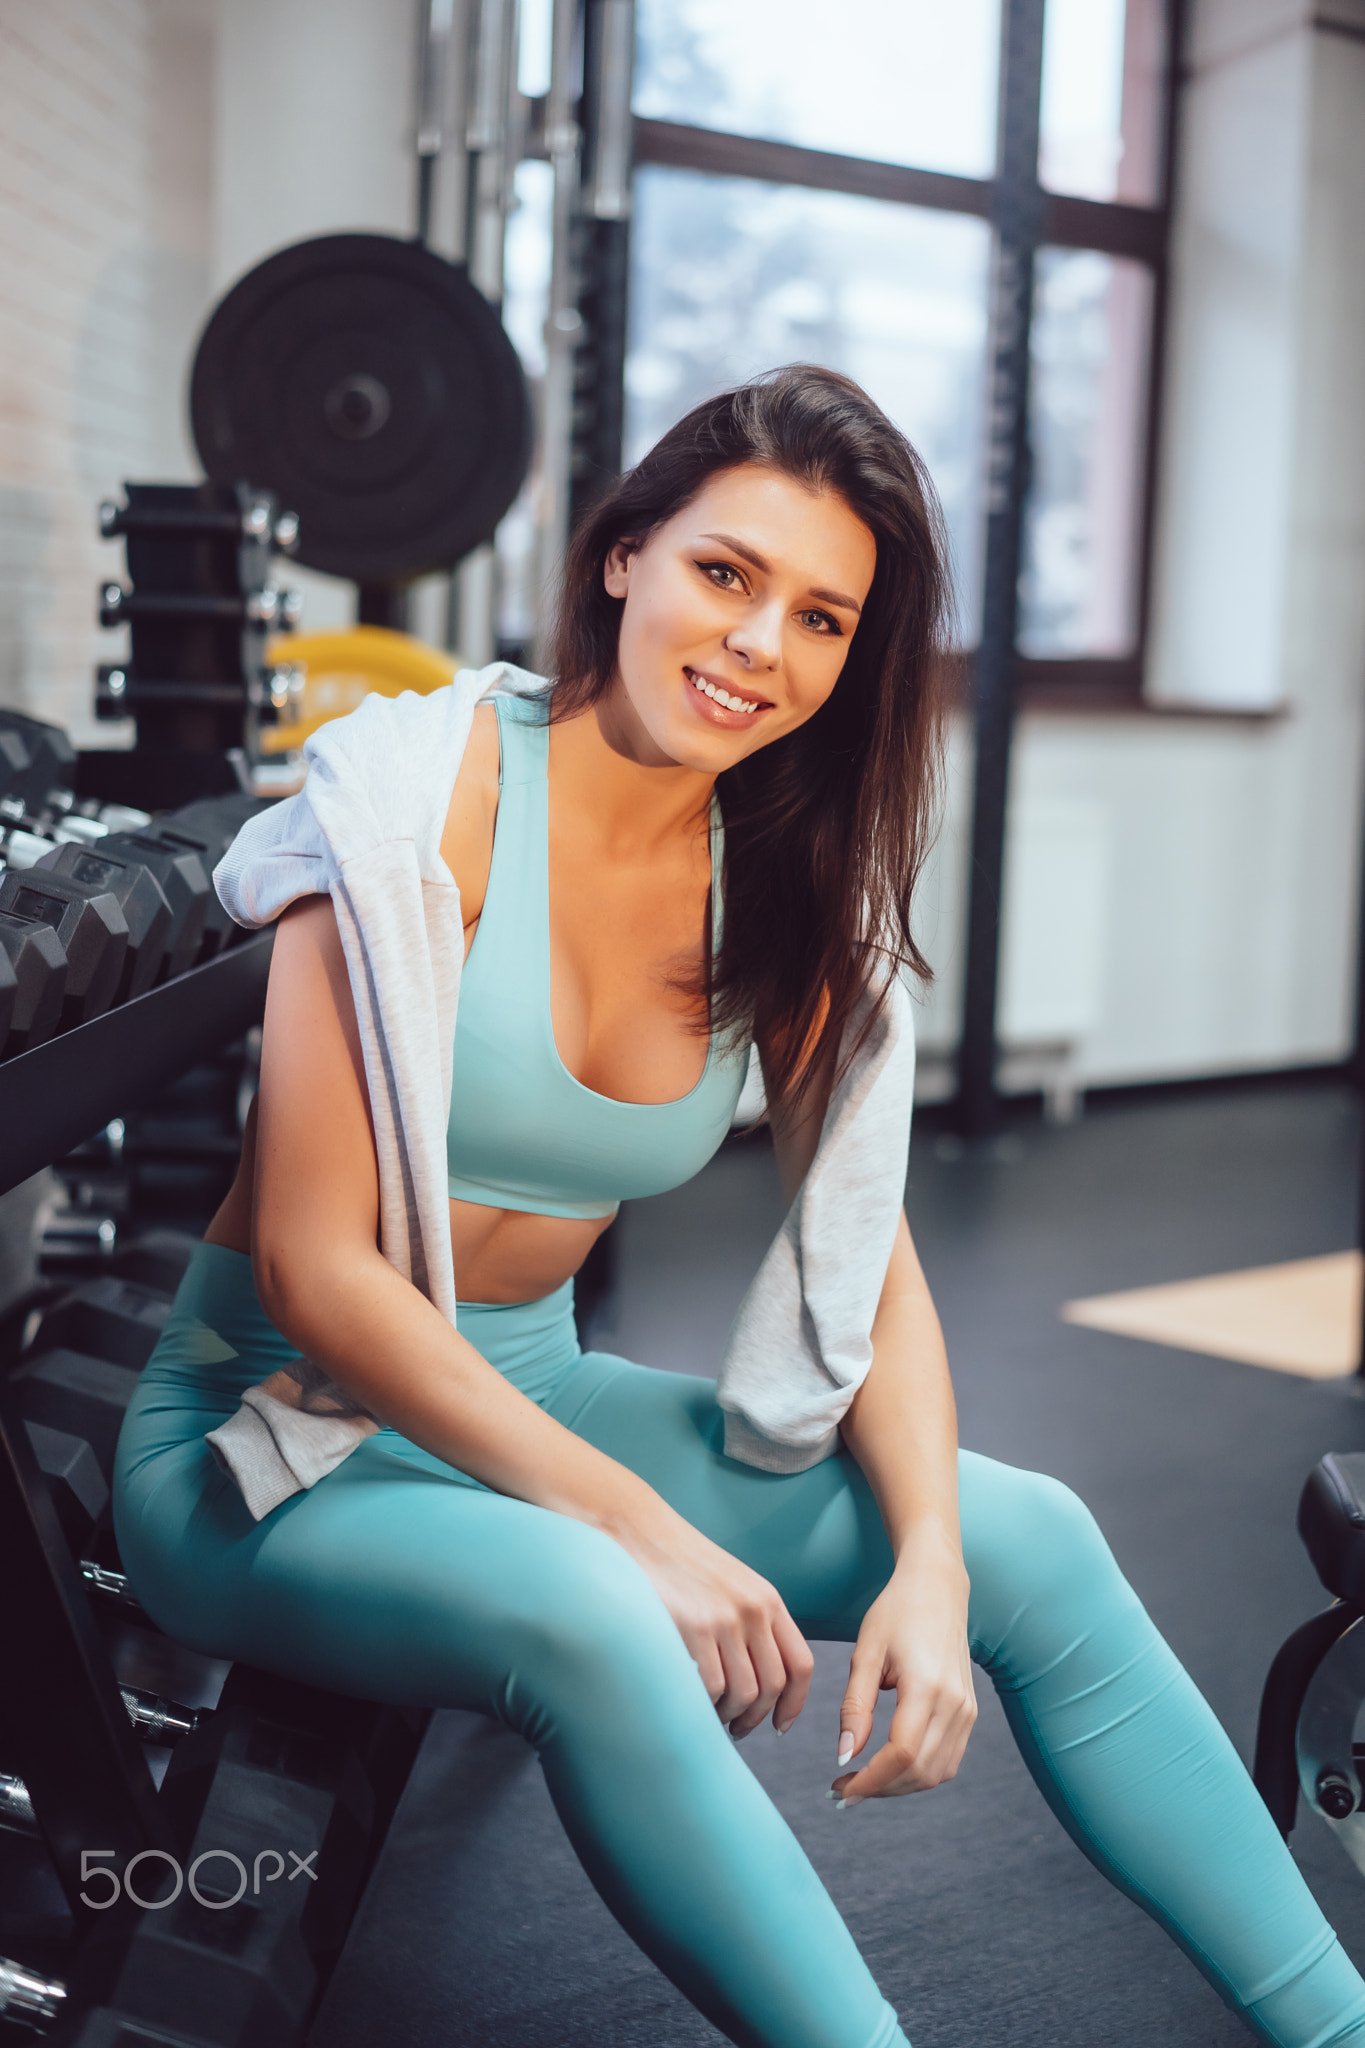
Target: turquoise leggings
(399,1578)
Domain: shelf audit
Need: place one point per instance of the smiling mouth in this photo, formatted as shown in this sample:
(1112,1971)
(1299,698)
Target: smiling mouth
(726,699)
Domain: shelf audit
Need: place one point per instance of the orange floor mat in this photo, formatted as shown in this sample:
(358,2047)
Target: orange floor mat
(1302,1317)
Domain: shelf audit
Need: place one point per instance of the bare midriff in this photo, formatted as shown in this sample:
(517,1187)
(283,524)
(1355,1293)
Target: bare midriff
(504,1255)
(501,1255)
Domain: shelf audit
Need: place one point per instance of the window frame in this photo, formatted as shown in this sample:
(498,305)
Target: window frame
(1110,227)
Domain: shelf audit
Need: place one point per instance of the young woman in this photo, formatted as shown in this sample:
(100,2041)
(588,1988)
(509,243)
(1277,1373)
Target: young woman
(558,1538)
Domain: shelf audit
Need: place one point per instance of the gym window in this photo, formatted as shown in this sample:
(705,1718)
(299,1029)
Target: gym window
(821,189)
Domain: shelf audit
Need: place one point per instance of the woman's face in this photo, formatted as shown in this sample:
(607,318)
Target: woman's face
(738,616)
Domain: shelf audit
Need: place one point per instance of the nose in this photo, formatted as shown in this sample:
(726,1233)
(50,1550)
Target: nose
(757,639)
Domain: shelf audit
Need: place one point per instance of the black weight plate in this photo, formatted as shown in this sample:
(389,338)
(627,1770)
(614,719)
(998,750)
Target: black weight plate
(372,387)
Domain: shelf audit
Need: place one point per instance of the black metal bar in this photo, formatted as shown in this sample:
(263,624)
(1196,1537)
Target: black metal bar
(229,609)
(1276,1769)
(786,163)
(1177,13)
(603,264)
(63,1726)
(1137,232)
(1356,1072)
(58,1095)
(426,185)
(1358,1065)
(157,695)
(1116,228)
(192,521)
(600,362)
(1017,214)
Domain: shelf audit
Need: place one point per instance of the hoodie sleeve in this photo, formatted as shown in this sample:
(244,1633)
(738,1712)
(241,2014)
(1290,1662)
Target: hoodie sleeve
(801,1344)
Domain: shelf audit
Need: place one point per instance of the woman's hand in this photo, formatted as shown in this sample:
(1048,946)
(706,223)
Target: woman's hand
(752,1657)
(913,1637)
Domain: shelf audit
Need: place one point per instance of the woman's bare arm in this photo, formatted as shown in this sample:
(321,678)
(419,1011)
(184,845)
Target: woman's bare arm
(901,1426)
(324,1282)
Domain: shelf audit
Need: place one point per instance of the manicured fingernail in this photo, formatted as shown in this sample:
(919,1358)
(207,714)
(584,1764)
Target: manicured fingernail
(845,1748)
(785,1727)
(844,1804)
(831,1794)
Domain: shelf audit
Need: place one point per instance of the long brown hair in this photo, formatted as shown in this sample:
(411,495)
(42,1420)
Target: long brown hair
(828,827)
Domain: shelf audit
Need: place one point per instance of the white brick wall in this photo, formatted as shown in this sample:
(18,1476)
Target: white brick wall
(105,153)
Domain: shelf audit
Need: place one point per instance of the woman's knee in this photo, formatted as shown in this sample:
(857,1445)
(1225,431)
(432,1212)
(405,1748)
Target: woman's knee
(1035,1555)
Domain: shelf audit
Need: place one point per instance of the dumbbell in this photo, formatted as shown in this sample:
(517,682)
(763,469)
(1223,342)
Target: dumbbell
(30,1998)
(87,822)
(81,1396)
(36,959)
(178,867)
(211,824)
(22,845)
(35,759)
(79,1490)
(112,1319)
(24,837)
(139,896)
(136,889)
(220,818)
(38,772)
(73,1384)
(113,817)
(280,1766)
(14,758)
(89,922)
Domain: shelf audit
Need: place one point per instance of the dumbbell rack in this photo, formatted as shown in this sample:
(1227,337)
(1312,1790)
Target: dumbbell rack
(54,1097)
(310,1760)
(63,1725)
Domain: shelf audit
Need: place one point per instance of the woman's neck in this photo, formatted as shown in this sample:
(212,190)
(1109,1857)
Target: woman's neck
(606,766)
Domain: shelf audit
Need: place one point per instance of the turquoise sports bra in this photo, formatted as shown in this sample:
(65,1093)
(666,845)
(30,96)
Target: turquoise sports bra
(523,1133)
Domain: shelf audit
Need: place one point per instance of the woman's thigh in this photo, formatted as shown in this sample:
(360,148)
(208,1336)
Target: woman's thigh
(815,1535)
(1038,1566)
(402,1578)
(386,1579)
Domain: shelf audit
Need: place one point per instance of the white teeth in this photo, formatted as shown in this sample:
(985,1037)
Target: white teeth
(721,697)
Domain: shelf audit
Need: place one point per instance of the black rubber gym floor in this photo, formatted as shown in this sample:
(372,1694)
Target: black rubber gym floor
(981,1921)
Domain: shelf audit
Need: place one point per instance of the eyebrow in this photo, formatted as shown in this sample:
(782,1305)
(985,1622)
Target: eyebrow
(760,562)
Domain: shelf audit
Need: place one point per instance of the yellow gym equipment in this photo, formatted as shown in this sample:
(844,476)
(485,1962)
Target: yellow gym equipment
(334,671)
